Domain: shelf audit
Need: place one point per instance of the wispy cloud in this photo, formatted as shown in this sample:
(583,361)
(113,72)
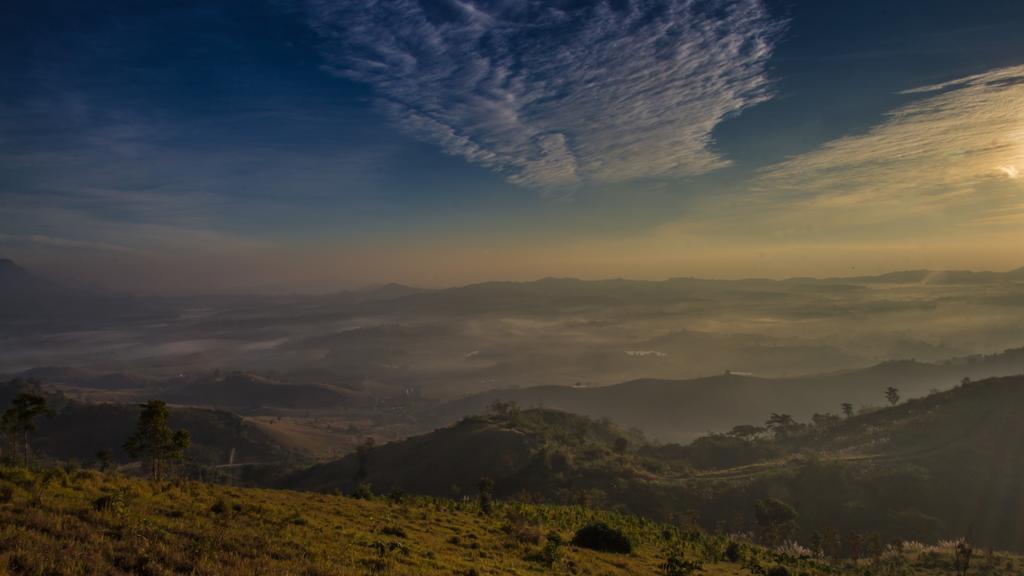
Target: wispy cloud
(961,136)
(551,94)
(52,241)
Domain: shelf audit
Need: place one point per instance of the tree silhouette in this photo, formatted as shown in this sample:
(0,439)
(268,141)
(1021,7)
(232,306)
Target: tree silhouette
(776,519)
(486,488)
(154,441)
(745,431)
(781,425)
(621,445)
(363,461)
(847,409)
(105,460)
(18,421)
(962,556)
(892,394)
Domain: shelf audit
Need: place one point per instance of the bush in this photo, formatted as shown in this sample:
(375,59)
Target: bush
(603,538)
(363,492)
(114,503)
(733,552)
(396,531)
(675,565)
(778,570)
(552,551)
(219,507)
(6,492)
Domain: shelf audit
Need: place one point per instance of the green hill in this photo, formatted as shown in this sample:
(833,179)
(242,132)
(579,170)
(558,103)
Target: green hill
(944,466)
(78,430)
(681,410)
(81,522)
(543,452)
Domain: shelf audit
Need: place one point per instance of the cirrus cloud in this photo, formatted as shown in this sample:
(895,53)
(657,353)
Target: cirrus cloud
(960,136)
(554,94)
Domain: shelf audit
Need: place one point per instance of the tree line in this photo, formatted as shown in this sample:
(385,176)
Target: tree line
(153,442)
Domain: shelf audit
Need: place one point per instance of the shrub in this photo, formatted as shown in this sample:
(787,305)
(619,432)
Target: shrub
(363,492)
(6,492)
(603,538)
(396,531)
(114,503)
(219,507)
(675,565)
(733,552)
(778,570)
(552,551)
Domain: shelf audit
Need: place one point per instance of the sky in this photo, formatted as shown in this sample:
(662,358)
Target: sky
(315,145)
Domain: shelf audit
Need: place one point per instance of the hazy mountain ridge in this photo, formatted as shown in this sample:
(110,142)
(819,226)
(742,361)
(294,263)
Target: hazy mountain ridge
(684,409)
(451,342)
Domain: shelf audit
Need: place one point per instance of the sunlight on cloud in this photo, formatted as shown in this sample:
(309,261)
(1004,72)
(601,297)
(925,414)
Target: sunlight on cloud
(962,136)
(554,95)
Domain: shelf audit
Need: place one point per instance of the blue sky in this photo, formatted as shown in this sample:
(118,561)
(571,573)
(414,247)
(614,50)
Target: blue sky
(309,145)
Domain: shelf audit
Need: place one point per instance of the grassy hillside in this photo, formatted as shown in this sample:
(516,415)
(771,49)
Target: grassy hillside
(541,452)
(936,468)
(82,522)
(78,430)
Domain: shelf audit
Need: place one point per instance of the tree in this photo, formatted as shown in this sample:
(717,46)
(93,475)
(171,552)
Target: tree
(486,487)
(621,445)
(746,432)
(847,409)
(105,460)
(892,394)
(363,461)
(824,421)
(18,421)
(962,556)
(154,441)
(776,519)
(782,425)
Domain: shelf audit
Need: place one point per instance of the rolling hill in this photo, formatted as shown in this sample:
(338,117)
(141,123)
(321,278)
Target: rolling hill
(244,391)
(943,466)
(681,410)
(78,430)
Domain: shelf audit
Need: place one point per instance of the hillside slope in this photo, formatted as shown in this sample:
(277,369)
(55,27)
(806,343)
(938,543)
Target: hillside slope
(538,451)
(681,410)
(940,467)
(83,522)
(78,430)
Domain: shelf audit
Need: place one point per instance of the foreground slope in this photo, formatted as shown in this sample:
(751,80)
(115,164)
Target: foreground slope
(61,522)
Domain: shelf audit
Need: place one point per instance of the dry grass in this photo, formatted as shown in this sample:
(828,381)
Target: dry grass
(82,522)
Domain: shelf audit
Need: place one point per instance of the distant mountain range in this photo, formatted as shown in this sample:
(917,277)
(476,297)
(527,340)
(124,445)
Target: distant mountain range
(14,278)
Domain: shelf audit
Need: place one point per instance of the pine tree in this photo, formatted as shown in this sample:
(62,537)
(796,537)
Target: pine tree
(18,421)
(154,441)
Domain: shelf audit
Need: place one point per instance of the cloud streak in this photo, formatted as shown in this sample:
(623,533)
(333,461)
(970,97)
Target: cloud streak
(962,136)
(553,95)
